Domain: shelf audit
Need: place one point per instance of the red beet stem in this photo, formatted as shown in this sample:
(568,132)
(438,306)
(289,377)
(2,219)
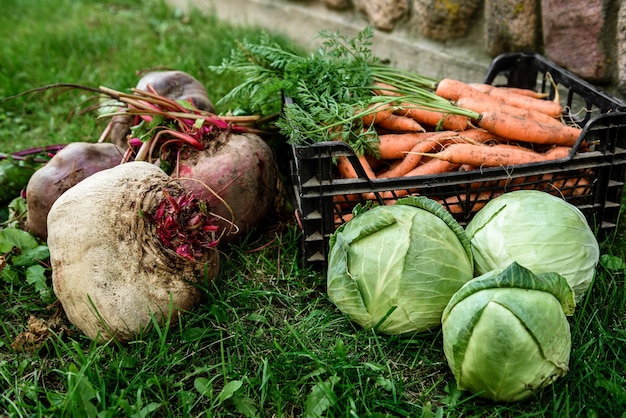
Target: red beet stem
(184,225)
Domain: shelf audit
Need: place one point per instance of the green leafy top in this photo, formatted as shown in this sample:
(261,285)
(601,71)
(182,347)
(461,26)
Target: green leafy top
(330,90)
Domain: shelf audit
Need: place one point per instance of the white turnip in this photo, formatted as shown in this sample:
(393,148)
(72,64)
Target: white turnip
(128,245)
(241,172)
(75,162)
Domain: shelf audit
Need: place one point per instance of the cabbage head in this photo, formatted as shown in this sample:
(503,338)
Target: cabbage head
(537,230)
(506,335)
(394,268)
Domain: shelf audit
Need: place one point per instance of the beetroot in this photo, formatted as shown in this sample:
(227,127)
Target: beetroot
(75,162)
(176,85)
(240,169)
(128,248)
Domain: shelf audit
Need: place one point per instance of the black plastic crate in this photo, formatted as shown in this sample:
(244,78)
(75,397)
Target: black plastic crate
(593,181)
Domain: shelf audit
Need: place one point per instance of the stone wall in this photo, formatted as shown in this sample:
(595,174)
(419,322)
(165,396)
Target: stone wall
(456,38)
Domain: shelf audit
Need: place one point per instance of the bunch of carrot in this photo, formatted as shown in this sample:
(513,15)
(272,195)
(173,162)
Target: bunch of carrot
(513,126)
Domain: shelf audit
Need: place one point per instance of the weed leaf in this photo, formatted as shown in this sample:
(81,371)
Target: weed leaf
(31,256)
(35,275)
(321,398)
(16,238)
(147,410)
(613,263)
(245,406)
(83,390)
(229,390)
(203,386)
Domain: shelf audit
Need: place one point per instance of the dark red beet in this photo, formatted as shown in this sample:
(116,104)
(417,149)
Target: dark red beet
(239,168)
(75,162)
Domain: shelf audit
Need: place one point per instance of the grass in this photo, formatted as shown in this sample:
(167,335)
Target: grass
(267,341)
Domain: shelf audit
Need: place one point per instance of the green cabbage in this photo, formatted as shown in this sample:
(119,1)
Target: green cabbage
(537,230)
(506,334)
(394,268)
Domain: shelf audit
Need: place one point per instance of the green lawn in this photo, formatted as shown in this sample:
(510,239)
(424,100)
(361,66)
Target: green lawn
(267,342)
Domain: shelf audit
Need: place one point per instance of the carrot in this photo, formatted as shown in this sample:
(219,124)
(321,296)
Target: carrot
(414,156)
(346,170)
(340,219)
(389,165)
(486,88)
(500,155)
(399,123)
(525,92)
(433,166)
(482,87)
(367,167)
(384,111)
(568,186)
(514,127)
(384,89)
(488,103)
(345,201)
(429,168)
(557,153)
(552,108)
(436,118)
(395,146)
(375,163)
(456,204)
(466,167)
(477,135)
(452,89)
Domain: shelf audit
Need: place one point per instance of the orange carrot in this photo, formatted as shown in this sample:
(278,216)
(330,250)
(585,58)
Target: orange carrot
(399,123)
(340,219)
(466,167)
(488,103)
(433,166)
(374,162)
(367,167)
(473,202)
(514,127)
(477,135)
(408,146)
(568,186)
(557,153)
(452,89)
(429,168)
(395,146)
(346,170)
(414,156)
(390,164)
(500,155)
(383,111)
(552,108)
(482,87)
(486,88)
(346,201)
(436,118)
(525,92)
(384,89)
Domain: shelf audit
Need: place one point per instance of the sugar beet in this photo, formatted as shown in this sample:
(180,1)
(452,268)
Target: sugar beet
(128,244)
